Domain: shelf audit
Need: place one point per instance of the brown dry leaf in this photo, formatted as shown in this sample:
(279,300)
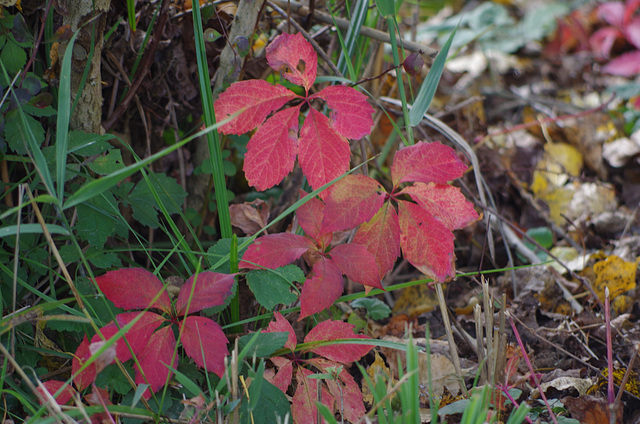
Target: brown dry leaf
(443,375)
(416,300)
(616,274)
(377,370)
(590,409)
(250,217)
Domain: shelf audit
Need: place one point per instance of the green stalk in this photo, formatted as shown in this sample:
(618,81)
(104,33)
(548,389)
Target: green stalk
(215,152)
(391,23)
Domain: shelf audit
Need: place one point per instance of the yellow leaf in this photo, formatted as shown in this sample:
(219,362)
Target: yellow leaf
(616,274)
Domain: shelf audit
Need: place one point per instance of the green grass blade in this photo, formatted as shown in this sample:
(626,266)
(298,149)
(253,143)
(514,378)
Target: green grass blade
(64,112)
(215,153)
(12,230)
(430,84)
(357,20)
(131,14)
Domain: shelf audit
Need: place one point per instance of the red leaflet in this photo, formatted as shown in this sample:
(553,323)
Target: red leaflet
(211,289)
(335,330)
(303,407)
(381,237)
(357,263)
(322,152)
(444,202)
(86,377)
(352,201)
(323,149)
(204,341)
(155,358)
(254,99)
(350,111)
(133,288)
(271,152)
(295,58)
(310,216)
(275,250)
(322,287)
(426,242)
(426,162)
(281,325)
(52,387)
(625,65)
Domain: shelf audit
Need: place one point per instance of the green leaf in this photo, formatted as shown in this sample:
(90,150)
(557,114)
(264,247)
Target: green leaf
(272,406)
(38,111)
(386,8)
(16,134)
(430,84)
(13,57)
(96,221)
(221,250)
(188,384)
(273,286)
(376,308)
(107,164)
(12,230)
(113,378)
(103,260)
(144,204)
(87,144)
(265,345)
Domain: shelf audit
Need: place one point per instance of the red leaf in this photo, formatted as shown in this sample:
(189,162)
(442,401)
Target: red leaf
(310,217)
(254,99)
(612,12)
(275,250)
(426,162)
(334,330)
(204,341)
(282,378)
(602,40)
(353,200)
(281,325)
(212,289)
(426,242)
(52,387)
(323,286)
(381,237)
(303,408)
(632,32)
(133,288)
(444,202)
(357,263)
(322,152)
(88,375)
(155,357)
(295,58)
(625,65)
(271,152)
(350,111)
(345,388)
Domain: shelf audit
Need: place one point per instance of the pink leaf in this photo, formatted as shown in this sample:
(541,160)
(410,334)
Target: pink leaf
(295,58)
(323,287)
(350,111)
(602,40)
(204,341)
(322,152)
(444,202)
(625,65)
(303,408)
(357,263)
(134,288)
(426,242)
(275,250)
(381,237)
(353,200)
(52,387)
(335,330)
(344,388)
(211,289)
(155,358)
(632,32)
(83,379)
(612,12)
(271,152)
(426,162)
(282,378)
(281,325)
(310,217)
(254,100)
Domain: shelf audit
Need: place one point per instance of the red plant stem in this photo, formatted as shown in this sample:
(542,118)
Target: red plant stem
(505,390)
(611,397)
(531,370)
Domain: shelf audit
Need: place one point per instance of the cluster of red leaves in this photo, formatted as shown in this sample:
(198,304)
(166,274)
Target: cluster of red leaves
(151,340)
(422,228)
(321,145)
(333,393)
